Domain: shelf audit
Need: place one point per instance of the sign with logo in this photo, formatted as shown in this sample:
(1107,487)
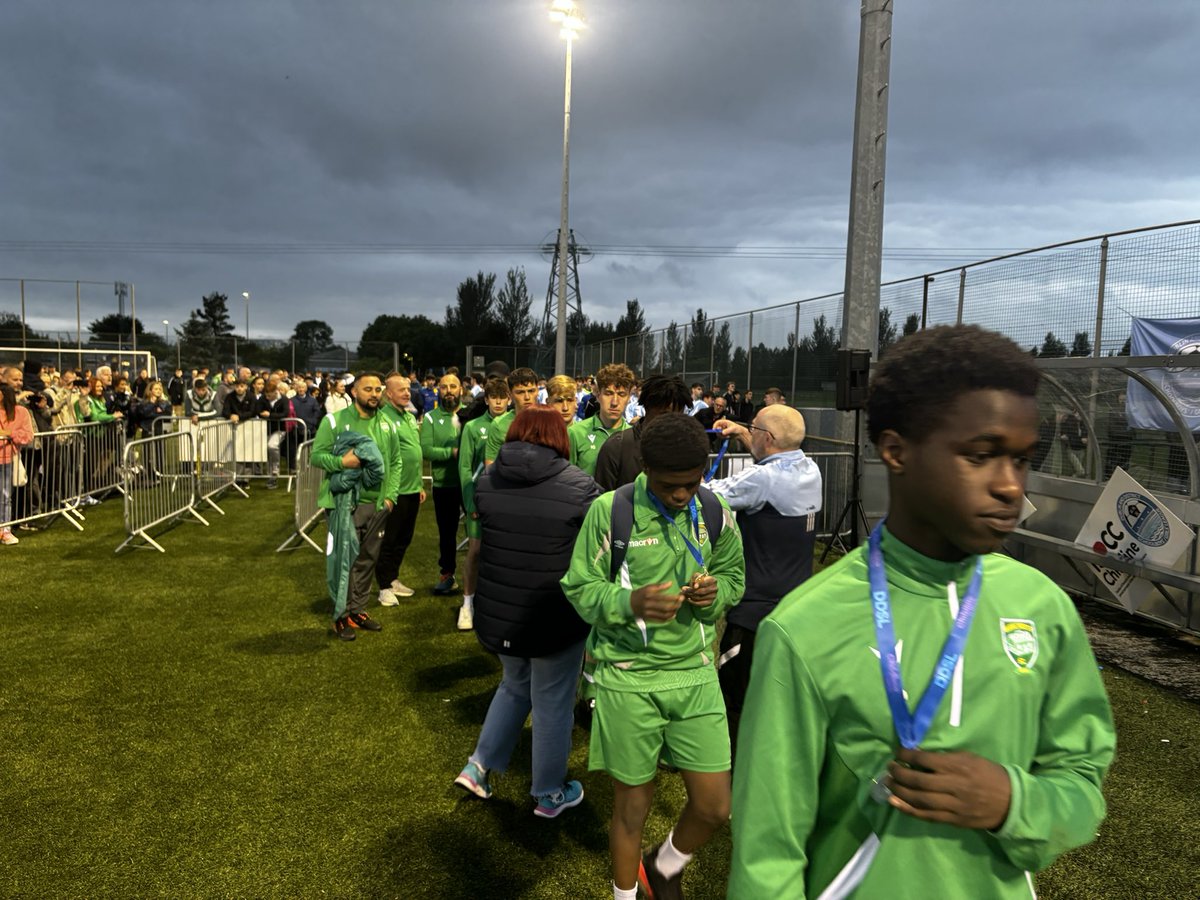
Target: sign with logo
(1129,523)
(1181,384)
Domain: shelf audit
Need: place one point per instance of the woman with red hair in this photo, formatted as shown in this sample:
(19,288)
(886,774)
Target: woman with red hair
(531,503)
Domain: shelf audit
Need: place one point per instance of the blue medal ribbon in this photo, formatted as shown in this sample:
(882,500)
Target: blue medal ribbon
(695,516)
(717,462)
(912,727)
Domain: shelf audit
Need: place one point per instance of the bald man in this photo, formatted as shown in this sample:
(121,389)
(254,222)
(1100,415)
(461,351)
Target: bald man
(776,501)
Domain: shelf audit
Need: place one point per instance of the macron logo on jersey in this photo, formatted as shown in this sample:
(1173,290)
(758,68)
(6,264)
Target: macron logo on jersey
(644,542)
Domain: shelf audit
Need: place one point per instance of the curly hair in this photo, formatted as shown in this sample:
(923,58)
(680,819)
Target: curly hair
(918,381)
(674,442)
(668,391)
(617,375)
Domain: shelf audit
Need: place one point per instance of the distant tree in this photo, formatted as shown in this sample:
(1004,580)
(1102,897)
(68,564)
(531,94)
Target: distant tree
(817,363)
(471,320)
(1127,347)
(722,345)
(428,343)
(887,331)
(1052,346)
(109,327)
(214,312)
(513,304)
(699,343)
(672,351)
(197,344)
(10,329)
(912,324)
(1081,346)
(633,321)
(311,336)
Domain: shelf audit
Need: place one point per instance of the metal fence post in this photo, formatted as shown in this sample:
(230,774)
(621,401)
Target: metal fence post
(1100,297)
(962,293)
(750,352)
(795,355)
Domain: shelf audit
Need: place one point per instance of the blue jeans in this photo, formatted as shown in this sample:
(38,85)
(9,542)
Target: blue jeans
(545,684)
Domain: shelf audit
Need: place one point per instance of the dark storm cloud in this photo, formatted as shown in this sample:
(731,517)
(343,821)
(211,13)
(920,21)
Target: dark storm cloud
(699,124)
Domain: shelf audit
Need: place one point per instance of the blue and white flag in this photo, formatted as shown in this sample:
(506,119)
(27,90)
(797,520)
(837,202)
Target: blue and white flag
(1165,337)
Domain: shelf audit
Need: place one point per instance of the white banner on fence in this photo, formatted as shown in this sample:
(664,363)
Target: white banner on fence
(1129,523)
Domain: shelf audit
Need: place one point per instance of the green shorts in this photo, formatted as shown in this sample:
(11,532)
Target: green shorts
(473,527)
(685,727)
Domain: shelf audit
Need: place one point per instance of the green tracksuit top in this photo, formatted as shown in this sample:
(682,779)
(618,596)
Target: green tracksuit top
(816,729)
(470,456)
(408,432)
(638,655)
(587,437)
(378,429)
(497,433)
(439,440)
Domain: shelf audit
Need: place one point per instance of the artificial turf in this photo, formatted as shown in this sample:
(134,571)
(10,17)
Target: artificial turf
(184,724)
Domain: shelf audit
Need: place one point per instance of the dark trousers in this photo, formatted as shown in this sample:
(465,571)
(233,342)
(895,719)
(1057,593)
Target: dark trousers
(733,670)
(401,523)
(369,523)
(447,504)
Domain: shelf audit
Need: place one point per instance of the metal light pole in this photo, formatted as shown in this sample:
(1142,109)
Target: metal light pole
(166,333)
(569,15)
(246,294)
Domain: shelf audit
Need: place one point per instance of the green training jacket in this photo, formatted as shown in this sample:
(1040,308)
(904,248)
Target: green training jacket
(439,440)
(497,433)
(633,654)
(587,437)
(378,429)
(470,456)
(408,432)
(816,729)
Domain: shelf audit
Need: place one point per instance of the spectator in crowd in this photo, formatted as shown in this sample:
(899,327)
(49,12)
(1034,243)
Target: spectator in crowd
(153,406)
(731,395)
(543,393)
(560,395)
(477,382)
(225,388)
(244,374)
(273,406)
(16,431)
(440,446)
(305,408)
(239,406)
(429,395)
(705,414)
(176,391)
(652,618)
(748,408)
(588,403)
(368,518)
(92,407)
(620,459)
(633,409)
(698,402)
(140,384)
(614,383)
(471,451)
(337,399)
(531,505)
(200,402)
(522,385)
(773,396)
(121,401)
(1073,441)
(776,501)
(410,494)
(258,386)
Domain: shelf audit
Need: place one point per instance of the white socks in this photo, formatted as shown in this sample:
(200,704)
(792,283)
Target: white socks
(619,894)
(670,862)
(469,602)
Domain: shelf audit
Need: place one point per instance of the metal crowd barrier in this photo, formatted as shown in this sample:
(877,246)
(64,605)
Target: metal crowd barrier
(160,485)
(103,451)
(216,466)
(306,512)
(54,473)
(253,443)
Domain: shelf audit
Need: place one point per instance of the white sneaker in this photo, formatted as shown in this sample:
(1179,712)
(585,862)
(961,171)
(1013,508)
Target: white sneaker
(387,598)
(401,590)
(7,537)
(466,618)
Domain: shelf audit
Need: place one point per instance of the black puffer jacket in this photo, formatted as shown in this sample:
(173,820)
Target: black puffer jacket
(531,505)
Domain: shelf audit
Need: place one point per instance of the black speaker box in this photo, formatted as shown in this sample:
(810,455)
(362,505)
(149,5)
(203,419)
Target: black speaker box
(853,373)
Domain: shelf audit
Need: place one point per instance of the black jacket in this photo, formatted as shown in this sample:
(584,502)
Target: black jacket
(531,505)
(620,459)
(242,407)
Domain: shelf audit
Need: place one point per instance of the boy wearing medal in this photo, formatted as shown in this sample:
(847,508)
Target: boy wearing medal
(653,629)
(925,718)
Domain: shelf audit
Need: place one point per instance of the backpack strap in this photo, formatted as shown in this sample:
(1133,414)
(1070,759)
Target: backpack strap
(620,529)
(714,513)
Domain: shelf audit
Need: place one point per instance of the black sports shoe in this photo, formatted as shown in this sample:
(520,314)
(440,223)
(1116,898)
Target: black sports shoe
(363,621)
(445,585)
(343,629)
(654,884)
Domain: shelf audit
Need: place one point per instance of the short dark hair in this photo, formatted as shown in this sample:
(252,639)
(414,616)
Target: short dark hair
(496,387)
(522,376)
(664,392)
(369,373)
(696,384)
(674,442)
(543,426)
(199,383)
(920,378)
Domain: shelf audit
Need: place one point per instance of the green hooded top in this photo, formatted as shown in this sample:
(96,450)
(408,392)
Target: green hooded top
(497,432)
(470,456)
(439,440)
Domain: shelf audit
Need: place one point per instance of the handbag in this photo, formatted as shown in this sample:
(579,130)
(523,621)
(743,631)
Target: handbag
(20,476)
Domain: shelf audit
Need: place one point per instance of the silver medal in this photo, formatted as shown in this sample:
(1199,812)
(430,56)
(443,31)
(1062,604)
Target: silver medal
(880,792)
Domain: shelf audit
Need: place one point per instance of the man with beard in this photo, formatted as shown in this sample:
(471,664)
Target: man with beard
(402,521)
(439,445)
(374,504)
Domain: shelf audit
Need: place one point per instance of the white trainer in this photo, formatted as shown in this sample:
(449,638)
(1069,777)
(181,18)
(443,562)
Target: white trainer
(400,590)
(466,618)
(7,537)
(387,598)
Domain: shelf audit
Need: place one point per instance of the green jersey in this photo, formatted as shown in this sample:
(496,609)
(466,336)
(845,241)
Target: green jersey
(439,440)
(378,429)
(634,654)
(587,437)
(497,433)
(409,435)
(1028,697)
(470,456)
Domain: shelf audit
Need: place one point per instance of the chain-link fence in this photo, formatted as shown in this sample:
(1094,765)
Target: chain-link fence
(1075,298)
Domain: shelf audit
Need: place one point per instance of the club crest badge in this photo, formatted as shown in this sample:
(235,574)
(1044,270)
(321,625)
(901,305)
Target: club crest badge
(702,536)
(1020,640)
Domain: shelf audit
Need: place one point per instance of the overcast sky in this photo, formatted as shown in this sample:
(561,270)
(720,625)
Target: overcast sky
(225,129)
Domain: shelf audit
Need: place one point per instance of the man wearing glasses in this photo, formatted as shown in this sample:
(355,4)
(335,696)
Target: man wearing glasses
(776,501)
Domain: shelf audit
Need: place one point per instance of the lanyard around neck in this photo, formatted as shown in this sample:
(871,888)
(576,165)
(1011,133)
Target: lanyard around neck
(911,728)
(695,517)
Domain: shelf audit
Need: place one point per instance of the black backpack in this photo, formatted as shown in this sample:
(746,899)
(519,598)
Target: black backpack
(621,522)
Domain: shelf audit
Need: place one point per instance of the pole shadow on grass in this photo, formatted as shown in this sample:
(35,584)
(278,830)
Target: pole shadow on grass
(435,679)
(297,642)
